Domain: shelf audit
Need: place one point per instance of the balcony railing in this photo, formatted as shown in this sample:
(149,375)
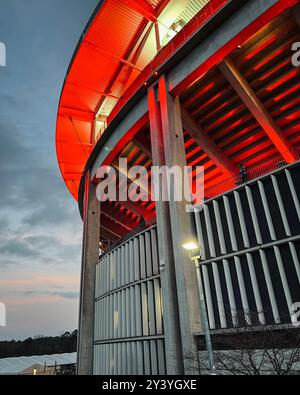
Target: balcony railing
(252,173)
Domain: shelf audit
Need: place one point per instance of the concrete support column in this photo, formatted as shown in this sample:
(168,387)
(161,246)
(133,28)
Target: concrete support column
(175,228)
(93,132)
(90,258)
(174,355)
(157,36)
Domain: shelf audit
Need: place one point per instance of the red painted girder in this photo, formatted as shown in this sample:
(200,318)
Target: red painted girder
(258,110)
(142,7)
(207,145)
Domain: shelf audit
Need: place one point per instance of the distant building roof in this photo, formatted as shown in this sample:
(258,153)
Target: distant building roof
(16,366)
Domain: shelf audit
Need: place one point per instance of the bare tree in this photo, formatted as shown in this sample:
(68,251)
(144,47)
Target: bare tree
(256,350)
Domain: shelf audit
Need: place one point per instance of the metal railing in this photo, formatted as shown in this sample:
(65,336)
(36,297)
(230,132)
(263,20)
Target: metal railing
(252,173)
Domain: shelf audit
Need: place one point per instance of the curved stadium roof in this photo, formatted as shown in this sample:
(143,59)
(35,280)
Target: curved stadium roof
(117,44)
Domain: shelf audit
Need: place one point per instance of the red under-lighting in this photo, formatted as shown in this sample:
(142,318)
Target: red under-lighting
(95,69)
(97,63)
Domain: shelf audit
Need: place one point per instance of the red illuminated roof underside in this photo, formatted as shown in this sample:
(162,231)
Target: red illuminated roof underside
(103,69)
(97,72)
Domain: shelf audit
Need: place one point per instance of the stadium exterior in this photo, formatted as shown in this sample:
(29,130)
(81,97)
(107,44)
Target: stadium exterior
(176,83)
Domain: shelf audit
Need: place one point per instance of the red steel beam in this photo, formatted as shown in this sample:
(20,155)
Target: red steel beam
(80,115)
(230,46)
(116,217)
(107,235)
(142,7)
(207,144)
(112,226)
(162,6)
(258,110)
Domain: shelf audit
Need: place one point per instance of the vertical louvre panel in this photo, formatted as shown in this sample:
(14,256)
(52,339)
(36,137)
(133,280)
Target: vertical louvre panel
(155,267)
(230,224)
(131,262)
(123,266)
(124,359)
(119,332)
(140,358)
(209,232)
(138,304)
(242,219)
(254,282)
(120,367)
(154,361)
(148,255)
(128,307)
(200,234)
(267,210)
(229,286)
(118,285)
(161,357)
(208,297)
(145,310)
(254,216)
(281,207)
(256,272)
(242,289)
(116,319)
(142,257)
(151,309)
(293,192)
(123,303)
(270,287)
(134,358)
(126,265)
(220,300)
(128,313)
(219,227)
(147,359)
(132,312)
(137,275)
(283,277)
(295,260)
(129,358)
(113,271)
(158,307)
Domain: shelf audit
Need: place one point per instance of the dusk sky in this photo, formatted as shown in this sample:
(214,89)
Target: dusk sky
(40,226)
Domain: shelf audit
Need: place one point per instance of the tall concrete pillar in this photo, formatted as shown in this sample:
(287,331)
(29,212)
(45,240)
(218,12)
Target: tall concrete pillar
(174,355)
(90,258)
(179,284)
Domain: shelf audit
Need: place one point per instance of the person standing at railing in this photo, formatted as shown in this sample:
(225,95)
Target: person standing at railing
(243,174)
(142,223)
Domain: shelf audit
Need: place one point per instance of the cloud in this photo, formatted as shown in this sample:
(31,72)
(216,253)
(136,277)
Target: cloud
(18,248)
(62,294)
(35,189)
(40,226)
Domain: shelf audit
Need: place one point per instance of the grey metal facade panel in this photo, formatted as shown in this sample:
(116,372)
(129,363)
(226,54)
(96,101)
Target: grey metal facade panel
(256,278)
(128,313)
(251,252)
